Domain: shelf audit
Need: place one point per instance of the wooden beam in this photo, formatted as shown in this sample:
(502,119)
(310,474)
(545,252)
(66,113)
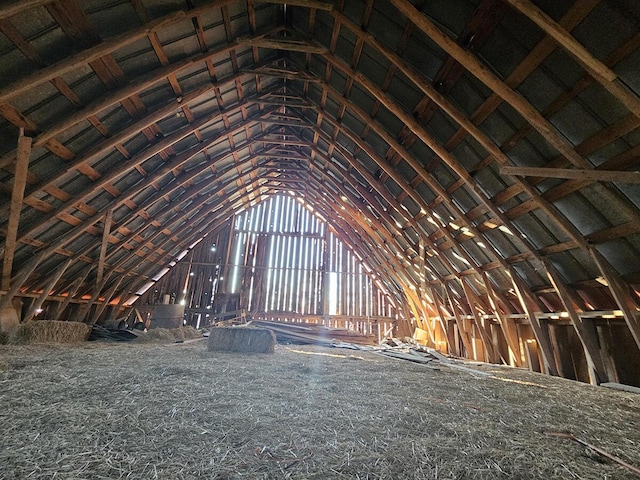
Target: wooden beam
(474,301)
(21,277)
(508,330)
(541,334)
(586,332)
(620,291)
(598,70)
(593,175)
(106,231)
(48,288)
(86,308)
(107,298)
(75,286)
(422,82)
(453,346)
(122,169)
(486,76)
(282,45)
(9,9)
(17,195)
(301,3)
(59,69)
(462,330)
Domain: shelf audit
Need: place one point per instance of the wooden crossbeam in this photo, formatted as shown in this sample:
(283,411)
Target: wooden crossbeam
(282,45)
(301,3)
(618,176)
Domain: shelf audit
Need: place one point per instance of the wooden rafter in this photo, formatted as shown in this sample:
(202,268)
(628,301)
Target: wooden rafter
(598,70)
(590,175)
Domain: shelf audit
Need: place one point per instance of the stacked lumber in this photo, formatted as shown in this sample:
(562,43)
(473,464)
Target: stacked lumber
(308,333)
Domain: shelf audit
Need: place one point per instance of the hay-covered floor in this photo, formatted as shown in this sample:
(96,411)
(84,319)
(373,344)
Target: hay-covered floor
(172,412)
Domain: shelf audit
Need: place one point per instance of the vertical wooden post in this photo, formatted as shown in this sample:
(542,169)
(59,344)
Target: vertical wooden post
(542,335)
(22,276)
(84,311)
(452,346)
(489,347)
(124,296)
(447,326)
(325,278)
(620,291)
(45,293)
(72,292)
(507,329)
(107,298)
(586,333)
(17,195)
(462,330)
(103,247)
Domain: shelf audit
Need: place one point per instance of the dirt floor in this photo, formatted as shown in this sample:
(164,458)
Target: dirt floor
(100,410)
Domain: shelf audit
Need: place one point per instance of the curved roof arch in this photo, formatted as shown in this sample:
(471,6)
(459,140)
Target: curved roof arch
(488,145)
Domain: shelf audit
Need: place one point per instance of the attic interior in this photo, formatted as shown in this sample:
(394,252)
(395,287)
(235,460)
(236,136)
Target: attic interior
(462,173)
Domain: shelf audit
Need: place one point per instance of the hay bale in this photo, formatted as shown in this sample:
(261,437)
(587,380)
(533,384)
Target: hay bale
(245,340)
(50,331)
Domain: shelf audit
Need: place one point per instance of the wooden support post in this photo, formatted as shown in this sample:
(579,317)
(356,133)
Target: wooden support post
(124,296)
(72,292)
(541,334)
(586,333)
(324,291)
(84,311)
(107,298)
(103,247)
(620,291)
(473,301)
(453,346)
(17,195)
(507,329)
(462,330)
(45,293)
(417,309)
(22,276)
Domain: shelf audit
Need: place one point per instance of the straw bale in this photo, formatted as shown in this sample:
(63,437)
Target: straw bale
(241,339)
(50,331)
